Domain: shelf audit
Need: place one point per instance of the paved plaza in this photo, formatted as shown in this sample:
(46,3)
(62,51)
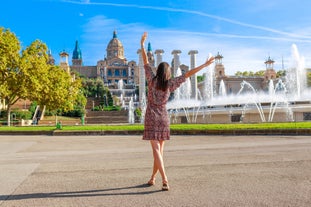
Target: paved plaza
(93,171)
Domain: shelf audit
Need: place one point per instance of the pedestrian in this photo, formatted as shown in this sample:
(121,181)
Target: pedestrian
(157,123)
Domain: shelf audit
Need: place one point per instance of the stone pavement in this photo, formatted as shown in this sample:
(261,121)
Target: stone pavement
(65,171)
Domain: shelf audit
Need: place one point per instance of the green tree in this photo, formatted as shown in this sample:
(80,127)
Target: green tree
(110,99)
(280,73)
(60,91)
(27,75)
(239,73)
(260,73)
(245,73)
(200,78)
(309,79)
(94,87)
(10,74)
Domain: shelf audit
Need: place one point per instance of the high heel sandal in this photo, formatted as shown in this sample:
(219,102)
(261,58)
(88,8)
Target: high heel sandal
(165,186)
(151,182)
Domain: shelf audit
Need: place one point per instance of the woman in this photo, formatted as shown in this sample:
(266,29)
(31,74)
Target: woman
(157,124)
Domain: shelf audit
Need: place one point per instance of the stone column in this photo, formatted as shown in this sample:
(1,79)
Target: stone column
(193,79)
(176,61)
(159,53)
(105,74)
(130,78)
(142,79)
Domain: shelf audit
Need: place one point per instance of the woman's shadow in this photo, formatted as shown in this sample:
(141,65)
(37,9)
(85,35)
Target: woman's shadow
(86,193)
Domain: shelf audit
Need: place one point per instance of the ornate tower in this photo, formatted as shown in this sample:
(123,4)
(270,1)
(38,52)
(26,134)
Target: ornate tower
(150,55)
(270,72)
(219,67)
(77,55)
(64,61)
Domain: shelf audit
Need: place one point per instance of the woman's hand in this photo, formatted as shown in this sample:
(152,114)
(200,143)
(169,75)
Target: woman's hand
(143,38)
(209,61)
(197,69)
(143,51)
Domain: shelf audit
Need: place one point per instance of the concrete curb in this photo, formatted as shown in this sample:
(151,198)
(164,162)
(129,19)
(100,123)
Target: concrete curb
(26,132)
(94,132)
(243,132)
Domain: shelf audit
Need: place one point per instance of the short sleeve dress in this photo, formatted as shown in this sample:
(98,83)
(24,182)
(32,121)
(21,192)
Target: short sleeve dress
(157,123)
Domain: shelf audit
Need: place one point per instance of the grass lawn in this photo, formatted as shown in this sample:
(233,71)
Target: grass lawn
(140,127)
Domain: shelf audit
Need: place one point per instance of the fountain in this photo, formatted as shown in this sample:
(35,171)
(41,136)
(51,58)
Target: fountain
(209,85)
(120,84)
(143,107)
(284,97)
(296,81)
(131,112)
(222,88)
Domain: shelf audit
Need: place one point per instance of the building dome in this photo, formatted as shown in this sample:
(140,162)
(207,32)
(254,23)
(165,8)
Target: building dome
(115,48)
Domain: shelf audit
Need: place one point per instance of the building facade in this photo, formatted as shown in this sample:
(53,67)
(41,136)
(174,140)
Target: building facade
(112,69)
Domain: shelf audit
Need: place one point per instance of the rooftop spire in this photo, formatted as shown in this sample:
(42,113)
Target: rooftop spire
(149,47)
(77,52)
(115,34)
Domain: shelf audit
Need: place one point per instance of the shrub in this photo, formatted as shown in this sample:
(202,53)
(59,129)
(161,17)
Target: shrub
(138,112)
(22,114)
(106,108)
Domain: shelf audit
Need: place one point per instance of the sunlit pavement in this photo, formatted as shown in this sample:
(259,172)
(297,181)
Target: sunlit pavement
(75,171)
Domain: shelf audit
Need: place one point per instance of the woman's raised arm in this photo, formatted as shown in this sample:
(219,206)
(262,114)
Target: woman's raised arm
(197,69)
(143,51)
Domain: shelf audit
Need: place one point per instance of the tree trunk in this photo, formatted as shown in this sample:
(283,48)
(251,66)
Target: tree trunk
(9,115)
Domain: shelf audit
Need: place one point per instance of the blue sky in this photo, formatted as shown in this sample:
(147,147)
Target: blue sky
(245,32)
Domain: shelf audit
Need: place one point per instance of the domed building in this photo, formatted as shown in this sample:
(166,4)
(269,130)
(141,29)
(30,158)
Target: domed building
(113,68)
(118,74)
(115,48)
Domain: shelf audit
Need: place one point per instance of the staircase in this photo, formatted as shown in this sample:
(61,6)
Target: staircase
(91,102)
(106,117)
(103,117)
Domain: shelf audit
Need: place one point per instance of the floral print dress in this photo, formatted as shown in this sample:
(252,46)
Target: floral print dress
(157,123)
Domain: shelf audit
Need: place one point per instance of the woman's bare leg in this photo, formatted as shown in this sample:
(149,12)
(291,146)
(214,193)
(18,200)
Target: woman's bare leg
(158,148)
(155,167)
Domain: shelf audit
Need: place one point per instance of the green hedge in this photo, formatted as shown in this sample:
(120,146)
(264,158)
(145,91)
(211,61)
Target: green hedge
(106,108)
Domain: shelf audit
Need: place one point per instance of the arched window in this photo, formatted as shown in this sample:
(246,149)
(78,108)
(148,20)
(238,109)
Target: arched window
(124,73)
(132,72)
(117,72)
(109,73)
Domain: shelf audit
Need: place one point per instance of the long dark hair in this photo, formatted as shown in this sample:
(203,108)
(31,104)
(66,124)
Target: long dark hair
(163,75)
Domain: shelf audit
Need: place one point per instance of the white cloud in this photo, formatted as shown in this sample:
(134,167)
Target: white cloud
(199,13)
